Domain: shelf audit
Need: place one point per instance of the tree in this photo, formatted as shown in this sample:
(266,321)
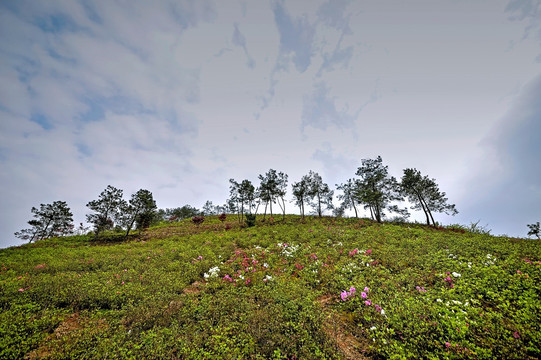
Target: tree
(50,220)
(187,211)
(281,192)
(243,195)
(534,229)
(348,196)
(319,193)
(209,208)
(140,210)
(376,189)
(425,195)
(300,193)
(272,189)
(106,209)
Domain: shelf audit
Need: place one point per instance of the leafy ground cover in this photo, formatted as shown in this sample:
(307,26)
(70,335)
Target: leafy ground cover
(319,289)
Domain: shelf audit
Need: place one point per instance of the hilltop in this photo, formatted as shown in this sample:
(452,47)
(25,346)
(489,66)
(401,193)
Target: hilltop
(319,288)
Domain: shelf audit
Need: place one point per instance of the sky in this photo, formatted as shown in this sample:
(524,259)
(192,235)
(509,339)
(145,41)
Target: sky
(177,97)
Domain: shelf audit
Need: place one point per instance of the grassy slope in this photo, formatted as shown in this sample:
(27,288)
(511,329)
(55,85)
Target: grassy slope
(149,298)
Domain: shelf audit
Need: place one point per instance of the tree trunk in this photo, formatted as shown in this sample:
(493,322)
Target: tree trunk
(377,210)
(354,208)
(318,204)
(429,212)
(424,208)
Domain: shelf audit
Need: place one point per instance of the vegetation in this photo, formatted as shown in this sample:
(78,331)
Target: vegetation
(425,195)
(312,288)
(534,229)
(49,220)
(107,209)
(377,190)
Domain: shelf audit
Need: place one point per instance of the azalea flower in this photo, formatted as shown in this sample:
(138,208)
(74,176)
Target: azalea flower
(368,302)
(344,295)
(363,295)
(366,289)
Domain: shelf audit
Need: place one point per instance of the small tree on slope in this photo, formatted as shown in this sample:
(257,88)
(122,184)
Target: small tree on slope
(140,210)
(376,189)
(534,229)
(425,195)
(50,220)
(106,209)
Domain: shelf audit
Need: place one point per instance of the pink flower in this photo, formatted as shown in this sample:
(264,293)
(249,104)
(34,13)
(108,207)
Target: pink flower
(368,252)
(344,295)
(378,308)
(363,295)
(352,290)
(21,289)
(199,257)
(368,302)
(516,335)
(447,344)
(366,289)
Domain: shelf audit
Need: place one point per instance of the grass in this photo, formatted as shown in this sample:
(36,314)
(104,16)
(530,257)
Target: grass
(274,291)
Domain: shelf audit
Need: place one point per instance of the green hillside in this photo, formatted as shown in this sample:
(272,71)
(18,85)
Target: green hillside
(322,288)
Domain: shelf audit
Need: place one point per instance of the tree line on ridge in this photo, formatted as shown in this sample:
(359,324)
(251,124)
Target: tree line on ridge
(373,189)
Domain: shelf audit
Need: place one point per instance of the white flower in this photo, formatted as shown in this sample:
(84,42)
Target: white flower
(373,328)
(213,272)
(455,274)
(382,312)
(456,302)
(265,265)
(268,277)
(439,300)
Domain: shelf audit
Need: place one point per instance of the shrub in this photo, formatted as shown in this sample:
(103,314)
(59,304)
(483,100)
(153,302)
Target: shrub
(250,220)
(198,220)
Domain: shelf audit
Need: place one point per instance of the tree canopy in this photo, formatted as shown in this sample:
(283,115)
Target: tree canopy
(49,220)
(107,209)
(425,195)
(377,189)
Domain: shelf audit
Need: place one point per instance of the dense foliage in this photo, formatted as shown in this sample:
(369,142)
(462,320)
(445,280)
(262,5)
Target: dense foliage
(314,289)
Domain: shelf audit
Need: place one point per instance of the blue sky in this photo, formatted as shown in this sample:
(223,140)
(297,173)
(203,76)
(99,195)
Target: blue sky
(179,96)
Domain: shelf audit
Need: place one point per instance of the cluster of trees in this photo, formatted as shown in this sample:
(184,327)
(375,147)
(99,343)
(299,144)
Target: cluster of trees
(110,210)
(374,189)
